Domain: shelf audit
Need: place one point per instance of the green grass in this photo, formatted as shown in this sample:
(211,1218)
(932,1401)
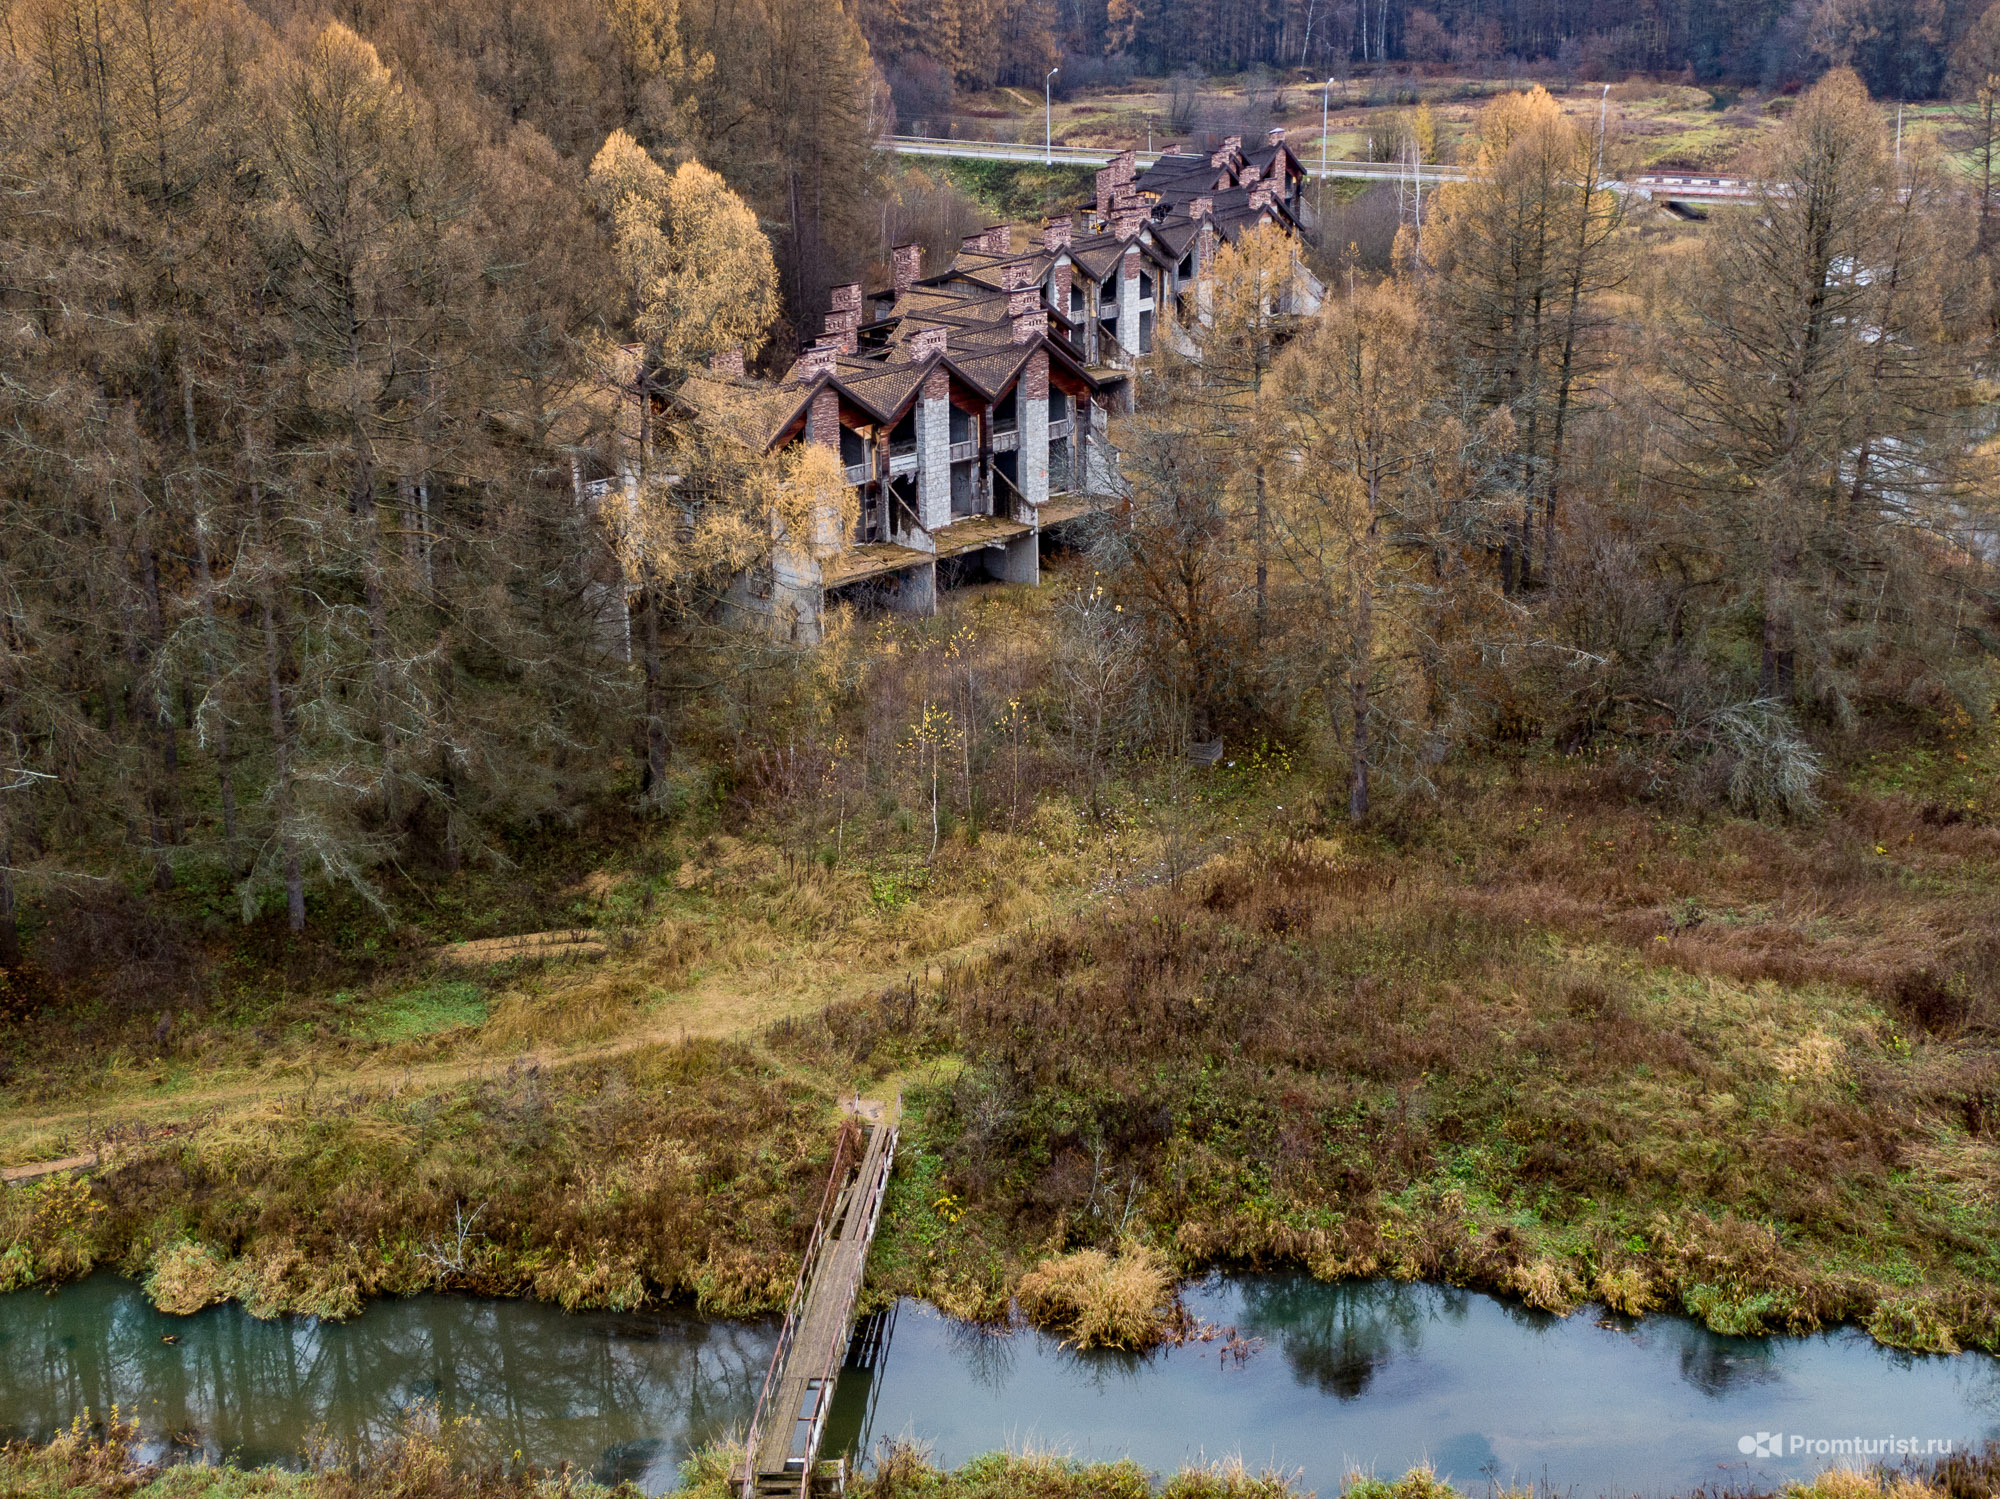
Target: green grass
(427,1460)
(1016,190)
(427,1010)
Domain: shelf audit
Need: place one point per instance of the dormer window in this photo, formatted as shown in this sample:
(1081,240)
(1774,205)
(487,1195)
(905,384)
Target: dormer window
(1186,272)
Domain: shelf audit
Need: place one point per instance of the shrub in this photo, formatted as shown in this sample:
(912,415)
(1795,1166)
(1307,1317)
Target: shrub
(1100,1301)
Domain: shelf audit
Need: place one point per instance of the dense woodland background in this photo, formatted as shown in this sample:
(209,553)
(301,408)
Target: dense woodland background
(310,320)
(1901,48)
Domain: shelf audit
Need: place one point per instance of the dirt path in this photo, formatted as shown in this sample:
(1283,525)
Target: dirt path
(727,1005)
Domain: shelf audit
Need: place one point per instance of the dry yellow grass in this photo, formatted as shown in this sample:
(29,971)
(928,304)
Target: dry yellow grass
(1102,1301)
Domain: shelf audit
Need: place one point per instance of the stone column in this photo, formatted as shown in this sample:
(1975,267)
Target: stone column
(1033,401)
(1128,301)
(934,452)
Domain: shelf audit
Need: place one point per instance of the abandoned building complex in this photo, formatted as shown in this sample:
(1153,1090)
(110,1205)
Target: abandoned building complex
(970,405)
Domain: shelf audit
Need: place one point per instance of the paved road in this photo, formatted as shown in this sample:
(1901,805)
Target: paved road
(1652,184)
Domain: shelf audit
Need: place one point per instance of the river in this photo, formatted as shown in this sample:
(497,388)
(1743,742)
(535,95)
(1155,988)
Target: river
(1319,1380)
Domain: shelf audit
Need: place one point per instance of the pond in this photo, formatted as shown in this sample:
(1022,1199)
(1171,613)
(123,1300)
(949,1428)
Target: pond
(1315,1379)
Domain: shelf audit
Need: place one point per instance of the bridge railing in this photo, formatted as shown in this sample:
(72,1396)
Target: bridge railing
(843,1150)
(862,1219)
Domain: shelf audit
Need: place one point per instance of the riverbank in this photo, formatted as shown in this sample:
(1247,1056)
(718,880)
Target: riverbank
(425,1463)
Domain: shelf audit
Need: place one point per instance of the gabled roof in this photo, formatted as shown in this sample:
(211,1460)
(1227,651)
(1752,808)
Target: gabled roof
(1179,175)
(1264,156)
(755,411)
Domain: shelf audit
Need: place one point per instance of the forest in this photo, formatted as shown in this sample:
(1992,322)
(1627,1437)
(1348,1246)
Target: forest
(1901,48)
(316,328)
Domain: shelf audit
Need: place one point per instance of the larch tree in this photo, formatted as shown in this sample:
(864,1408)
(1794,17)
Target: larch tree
(1974,82)
(1821,432)
(1523,249)
(1234,337)
(702,280)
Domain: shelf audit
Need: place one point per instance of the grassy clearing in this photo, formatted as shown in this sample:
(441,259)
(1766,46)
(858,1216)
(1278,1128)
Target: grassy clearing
(1542,1048)
(1548,1041)
(688,1171)
(1658,124)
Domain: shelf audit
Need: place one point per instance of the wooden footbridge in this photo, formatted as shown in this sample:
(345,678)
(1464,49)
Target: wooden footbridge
(782,1452)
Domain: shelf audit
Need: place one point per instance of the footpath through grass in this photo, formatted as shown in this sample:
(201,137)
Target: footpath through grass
(1546,1042)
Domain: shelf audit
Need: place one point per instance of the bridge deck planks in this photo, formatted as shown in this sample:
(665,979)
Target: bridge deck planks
(804,1386)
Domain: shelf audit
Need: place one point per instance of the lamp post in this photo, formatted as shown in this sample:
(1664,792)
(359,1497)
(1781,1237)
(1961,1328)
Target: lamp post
(1319,198)
(1049,119)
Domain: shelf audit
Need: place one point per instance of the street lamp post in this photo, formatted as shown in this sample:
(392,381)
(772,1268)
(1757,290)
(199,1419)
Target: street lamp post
(1049,119)
(1319,199)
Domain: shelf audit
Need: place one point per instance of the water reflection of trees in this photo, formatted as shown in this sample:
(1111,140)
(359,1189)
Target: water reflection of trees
(1335,1337)
(560,1388)
(1718,1365)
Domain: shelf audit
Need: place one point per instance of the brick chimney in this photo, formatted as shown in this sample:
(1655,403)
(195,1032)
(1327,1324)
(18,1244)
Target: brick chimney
(841,343)
(1201,208)
(1127,215)
(1016,274)
(1059,287)
(1029,326)
(824,419)
(926,342)
(1226,153)
(845,317)
(1107,191)
(1247,176)
(1125,167)
(727,362)
(814,362)
(907,262)
(1055,234)
(1275,136)
(1023,300)
(1000,239)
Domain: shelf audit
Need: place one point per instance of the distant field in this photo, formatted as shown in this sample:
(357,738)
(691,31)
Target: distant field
(1652,125)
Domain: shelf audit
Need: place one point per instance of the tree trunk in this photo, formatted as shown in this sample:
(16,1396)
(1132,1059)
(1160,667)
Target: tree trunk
(1359,671)
(163,799)
(225,767)
(377,600)
(281,732)
(1263,554)
(656,712)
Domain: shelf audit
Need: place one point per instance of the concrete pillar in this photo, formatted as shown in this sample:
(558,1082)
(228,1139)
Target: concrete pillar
(934,451)
(797,598)
(915,590)
(1032,399)
(1019,561)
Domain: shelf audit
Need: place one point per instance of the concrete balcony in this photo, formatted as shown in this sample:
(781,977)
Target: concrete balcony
(1006,442)
(962,452)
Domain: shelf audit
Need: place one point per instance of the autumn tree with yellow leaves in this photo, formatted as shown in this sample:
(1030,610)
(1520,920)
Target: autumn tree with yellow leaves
(1523,252)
